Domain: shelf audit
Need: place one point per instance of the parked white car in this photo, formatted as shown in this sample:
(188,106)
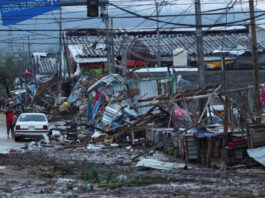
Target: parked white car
(31,125)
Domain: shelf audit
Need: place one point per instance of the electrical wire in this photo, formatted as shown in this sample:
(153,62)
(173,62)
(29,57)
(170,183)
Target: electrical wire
(32,30)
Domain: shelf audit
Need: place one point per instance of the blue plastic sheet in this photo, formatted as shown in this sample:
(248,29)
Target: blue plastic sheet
(119,121)
(89,112)
(96,107)
(206,134)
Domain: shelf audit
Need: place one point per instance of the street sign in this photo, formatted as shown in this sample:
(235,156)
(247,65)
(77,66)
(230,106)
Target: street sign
(15,11)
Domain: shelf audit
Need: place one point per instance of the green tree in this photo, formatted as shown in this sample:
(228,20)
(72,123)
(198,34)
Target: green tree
(10,66)
(3,81)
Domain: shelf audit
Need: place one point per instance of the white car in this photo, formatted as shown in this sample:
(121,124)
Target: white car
(31,125)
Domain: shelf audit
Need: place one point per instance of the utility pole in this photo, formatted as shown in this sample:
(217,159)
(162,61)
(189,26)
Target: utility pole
(10,38)
(60,57)
(226,105)
(67,64)
(199,42)
(20,77)
(60,45)
(257,104)
(106,18)
(30,61)
(158,36)
(112,47)
(29,52)
(124,60)
(223,70)
(200,61)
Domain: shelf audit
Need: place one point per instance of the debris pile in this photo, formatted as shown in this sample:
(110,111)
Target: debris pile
(114,110)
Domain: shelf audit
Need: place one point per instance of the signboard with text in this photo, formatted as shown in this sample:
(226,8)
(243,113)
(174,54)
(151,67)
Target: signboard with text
(15,11)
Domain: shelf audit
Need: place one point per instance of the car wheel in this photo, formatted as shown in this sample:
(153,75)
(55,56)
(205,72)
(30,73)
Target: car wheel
(17,139)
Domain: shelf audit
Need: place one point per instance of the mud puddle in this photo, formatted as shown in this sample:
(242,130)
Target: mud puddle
(59,172)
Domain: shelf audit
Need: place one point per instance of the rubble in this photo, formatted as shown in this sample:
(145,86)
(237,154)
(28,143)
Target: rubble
(111,111)
(151,163)
(45,142)
(258,154)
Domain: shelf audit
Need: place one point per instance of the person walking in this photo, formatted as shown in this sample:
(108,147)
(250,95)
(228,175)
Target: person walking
(9,121)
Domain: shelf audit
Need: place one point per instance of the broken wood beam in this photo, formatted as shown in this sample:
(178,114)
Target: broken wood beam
(161,143)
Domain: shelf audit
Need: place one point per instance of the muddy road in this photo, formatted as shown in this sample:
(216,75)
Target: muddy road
(70,171)
(55,172)
(5,143)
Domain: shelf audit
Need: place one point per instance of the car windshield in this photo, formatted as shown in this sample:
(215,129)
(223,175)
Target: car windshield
(32,118)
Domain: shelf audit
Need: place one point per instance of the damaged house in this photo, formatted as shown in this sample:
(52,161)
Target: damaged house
(46,66)
(128,109)
(86,48)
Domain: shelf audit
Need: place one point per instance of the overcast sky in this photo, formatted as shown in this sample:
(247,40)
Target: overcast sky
(75,17)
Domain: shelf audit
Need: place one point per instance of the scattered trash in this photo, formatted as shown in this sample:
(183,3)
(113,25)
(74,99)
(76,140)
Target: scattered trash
(17,149)
(155,164)
(56,133)
(258,154)
(61,139)
(46,138)
(94,147)
(33,144)
(119,110)
(122,178)
(96,135)
(98,193)
(89,187)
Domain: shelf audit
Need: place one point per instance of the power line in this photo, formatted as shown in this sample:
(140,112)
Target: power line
(182,24)
(135,15)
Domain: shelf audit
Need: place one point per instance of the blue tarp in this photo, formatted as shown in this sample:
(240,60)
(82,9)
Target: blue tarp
(96,107)
(89,112)
(32,89)
(92,111)
(206,134)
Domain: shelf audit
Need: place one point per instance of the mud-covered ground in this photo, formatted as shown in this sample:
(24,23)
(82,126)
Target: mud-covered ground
(53,172)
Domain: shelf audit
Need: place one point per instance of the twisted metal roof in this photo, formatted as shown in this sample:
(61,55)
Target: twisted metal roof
(92,42)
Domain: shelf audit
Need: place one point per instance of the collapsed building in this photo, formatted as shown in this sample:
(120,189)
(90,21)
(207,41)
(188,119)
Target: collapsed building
(158,112)
(158,107)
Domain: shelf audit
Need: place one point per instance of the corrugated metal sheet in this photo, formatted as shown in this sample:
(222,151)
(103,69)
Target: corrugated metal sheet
(77,92)
(113,110)
(191,148)
(147,89)
(46,63)
(170,40)
(110,112)
(108,80)
(257,154)
(155,164)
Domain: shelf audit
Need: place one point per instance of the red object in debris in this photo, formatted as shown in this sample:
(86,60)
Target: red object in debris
(92,65)
(136,63)
(99,193)
(235,143)
(28,72)
(103,100)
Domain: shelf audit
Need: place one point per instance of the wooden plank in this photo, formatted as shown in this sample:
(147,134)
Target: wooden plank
(226,114)
(162,143)
(198,145)
(132,138)
(209,152)
(127,126)
(132,92)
